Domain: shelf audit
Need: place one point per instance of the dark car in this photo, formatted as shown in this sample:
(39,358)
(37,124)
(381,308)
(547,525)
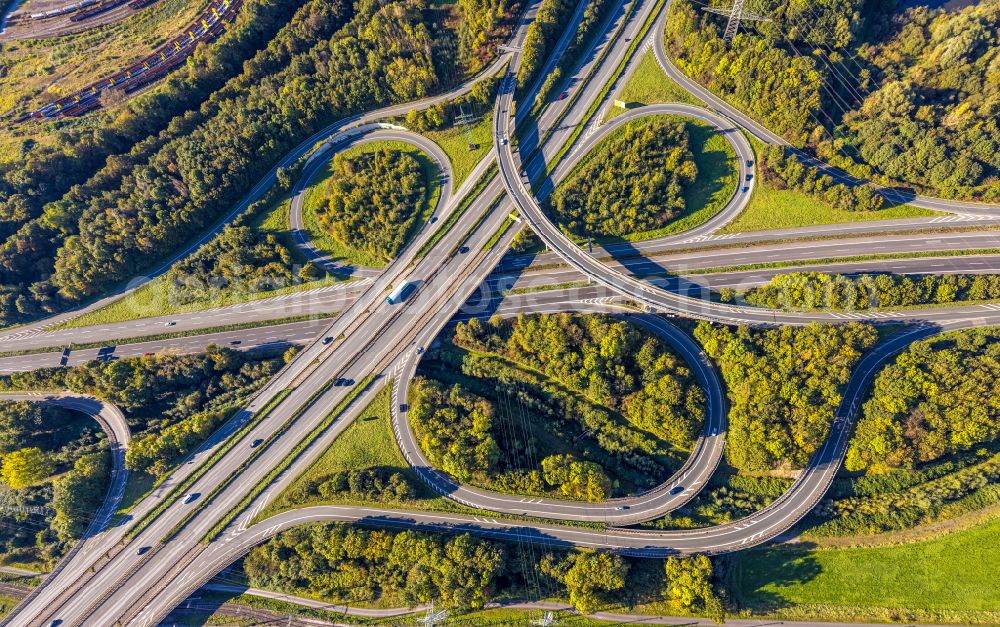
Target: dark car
(463,249)
(562,96)
(235,342)
(327,340)
(142,550)
(256,442)
(677,489)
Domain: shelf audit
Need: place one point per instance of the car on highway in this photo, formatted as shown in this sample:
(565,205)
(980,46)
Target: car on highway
(746,189)
(749,163)
(191,496)
(142,550)
(235,342)
(420,350)
(170,323)
(328,339)
(749,176)
(256,442)
(562,96)
(677,489)
(463,249)
(622,508)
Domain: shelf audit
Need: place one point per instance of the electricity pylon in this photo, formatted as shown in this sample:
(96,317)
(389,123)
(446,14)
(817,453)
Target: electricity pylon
(736,15)
(549,620)
(433,618)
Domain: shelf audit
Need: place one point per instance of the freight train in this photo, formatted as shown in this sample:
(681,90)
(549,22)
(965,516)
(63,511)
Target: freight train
(209,25)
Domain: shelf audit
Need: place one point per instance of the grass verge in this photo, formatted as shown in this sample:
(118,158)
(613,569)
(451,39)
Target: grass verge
(785,209)
(950,579)
(649,85)
(279,468)
(456,140)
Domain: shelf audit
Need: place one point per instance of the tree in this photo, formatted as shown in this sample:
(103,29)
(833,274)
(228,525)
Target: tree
(687,586)
(581,480)
(77,495)
(590,575)
(25,467)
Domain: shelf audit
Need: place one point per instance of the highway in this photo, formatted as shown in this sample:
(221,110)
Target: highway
(372,338)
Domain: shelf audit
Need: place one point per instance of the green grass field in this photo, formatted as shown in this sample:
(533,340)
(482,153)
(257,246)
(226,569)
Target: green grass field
(454,142)
(649,85)
(367,443)
(153,299)
(784,209)
(314,198)
(952,579)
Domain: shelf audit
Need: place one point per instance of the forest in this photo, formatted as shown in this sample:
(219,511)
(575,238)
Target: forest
(633,183)
(54,469)
(582,406)
(783,170)
(819,290)
(331,60)
(373,199)
(346,564)
(784,386)
(940,397)
(172,402)
(904,98)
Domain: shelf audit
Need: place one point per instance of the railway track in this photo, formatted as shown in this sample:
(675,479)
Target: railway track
(207,27)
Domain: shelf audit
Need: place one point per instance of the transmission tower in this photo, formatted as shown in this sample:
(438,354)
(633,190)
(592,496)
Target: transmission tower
(465,119)
(736,15)
(549,620)
(433,618)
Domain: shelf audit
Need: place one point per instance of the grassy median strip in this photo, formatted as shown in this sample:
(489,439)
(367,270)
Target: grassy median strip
(276,470)
(188,481)
(254,454)
(836,260)
(453,218)
(170,336)
(636,42)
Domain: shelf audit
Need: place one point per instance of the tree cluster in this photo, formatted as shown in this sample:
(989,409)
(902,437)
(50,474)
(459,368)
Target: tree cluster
(688,586)
(453,426)
(332,60)
(239,259)
(576,479)
(171,402)
(374,484)
(608,361)
(350,564)
(373,200)
(939,397)
(635,182)
(43,192)
(543,33)
(818,290)
(784,386)
(784,170)
(588,576)
(900,98)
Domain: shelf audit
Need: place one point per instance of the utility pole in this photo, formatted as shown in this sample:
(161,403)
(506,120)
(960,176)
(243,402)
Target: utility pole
(736,15)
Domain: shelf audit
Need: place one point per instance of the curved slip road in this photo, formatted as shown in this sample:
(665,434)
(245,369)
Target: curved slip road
(676,491)
(113,422)
(767,136)
(755,529)
(338,143)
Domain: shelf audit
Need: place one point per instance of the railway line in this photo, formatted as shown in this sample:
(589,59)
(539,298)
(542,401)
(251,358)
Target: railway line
(207,27)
